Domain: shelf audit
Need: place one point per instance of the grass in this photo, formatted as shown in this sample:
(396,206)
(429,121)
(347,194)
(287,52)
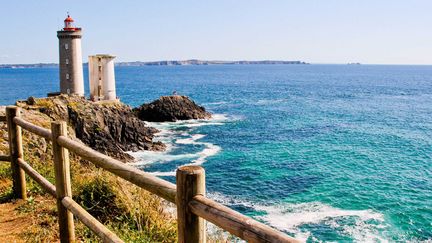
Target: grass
(133,214)
(45,103)
(121,205)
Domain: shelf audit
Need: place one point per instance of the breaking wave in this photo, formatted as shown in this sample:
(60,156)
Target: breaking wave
(176,134)
(217,119)
(363,226)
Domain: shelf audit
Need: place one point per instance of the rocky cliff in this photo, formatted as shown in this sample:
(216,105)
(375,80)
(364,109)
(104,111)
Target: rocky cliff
(108,127)
(171,108)
(113,127)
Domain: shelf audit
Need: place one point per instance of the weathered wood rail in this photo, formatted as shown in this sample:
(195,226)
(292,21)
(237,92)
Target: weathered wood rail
(193,207)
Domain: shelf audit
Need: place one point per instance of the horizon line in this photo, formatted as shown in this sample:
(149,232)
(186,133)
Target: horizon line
(238,60)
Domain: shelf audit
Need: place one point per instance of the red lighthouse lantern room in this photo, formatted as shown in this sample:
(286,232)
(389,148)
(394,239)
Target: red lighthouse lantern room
(69,24)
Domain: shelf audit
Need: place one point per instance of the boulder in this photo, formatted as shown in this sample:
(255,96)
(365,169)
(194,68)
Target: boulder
(171,108)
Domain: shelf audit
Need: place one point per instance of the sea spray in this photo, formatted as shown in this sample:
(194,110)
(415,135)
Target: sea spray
(299,219)
(180,133)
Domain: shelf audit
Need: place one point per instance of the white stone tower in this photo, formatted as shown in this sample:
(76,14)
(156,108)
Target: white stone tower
(102,78)
(71,67)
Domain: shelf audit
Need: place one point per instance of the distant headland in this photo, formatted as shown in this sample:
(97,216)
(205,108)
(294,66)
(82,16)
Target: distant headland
(204,62)
(163,63)
(34,65)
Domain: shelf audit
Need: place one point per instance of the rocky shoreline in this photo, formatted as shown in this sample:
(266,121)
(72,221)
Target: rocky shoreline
(114,128)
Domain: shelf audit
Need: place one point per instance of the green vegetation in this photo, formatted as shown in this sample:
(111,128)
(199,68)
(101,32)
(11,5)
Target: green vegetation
(130,212)
(45,103)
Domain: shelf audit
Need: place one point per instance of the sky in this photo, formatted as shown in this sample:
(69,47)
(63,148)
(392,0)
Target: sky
(315,31)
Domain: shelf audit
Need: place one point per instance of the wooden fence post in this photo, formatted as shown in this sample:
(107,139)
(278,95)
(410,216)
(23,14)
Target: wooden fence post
(16,151)
(63,182)
(190,182)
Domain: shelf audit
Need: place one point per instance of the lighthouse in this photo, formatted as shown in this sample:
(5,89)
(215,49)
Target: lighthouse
(70,62)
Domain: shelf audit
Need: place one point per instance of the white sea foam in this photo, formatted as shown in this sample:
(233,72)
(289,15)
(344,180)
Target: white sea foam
(209,150)
(149,157)
(222,117)
(216,120)
(191,140)
(160,173)
(290,218)
(170,136)
(292,215)
(204,124)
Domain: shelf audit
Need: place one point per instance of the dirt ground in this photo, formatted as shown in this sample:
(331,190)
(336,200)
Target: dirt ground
(12,224)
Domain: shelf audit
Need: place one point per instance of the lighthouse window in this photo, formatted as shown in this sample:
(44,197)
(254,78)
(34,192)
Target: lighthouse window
(66,46)
(67,61)
(67,75)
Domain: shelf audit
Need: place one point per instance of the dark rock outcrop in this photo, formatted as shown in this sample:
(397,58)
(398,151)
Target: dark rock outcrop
(171,108)
(110,128)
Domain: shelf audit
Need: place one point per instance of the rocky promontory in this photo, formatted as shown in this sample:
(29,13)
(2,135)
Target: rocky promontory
(113,128)
(171,108)
(108,127)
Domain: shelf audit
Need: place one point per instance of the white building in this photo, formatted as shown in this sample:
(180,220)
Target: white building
(102,78)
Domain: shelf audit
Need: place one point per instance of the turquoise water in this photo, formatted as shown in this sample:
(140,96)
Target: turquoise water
(322,152)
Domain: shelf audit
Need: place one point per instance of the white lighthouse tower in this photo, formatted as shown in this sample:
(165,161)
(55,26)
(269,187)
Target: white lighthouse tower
(71,67)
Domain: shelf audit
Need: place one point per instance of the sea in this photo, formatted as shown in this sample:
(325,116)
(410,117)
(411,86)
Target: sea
(325,153)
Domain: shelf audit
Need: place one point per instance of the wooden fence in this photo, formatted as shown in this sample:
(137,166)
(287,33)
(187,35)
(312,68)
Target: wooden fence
(193,207)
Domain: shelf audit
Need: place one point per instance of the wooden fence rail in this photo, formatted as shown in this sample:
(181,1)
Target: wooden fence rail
(50,188)
(236,223)
(43,132)
(4,158)
(193,207)
(99,229)
(151,183)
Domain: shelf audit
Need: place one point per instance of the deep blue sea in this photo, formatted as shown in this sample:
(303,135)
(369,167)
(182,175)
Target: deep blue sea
(323,152)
